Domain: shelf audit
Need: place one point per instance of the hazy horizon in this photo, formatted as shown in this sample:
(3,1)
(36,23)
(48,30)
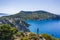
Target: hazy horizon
(15,6)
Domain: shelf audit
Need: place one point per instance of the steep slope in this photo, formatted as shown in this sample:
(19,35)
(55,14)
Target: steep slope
(16,22)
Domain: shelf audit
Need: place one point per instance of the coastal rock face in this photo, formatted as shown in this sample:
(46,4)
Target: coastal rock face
(16,22)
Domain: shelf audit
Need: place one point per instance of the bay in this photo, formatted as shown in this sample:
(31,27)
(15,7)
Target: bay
(45,27)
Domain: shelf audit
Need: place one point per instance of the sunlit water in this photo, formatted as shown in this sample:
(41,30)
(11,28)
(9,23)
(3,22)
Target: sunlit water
(45,26)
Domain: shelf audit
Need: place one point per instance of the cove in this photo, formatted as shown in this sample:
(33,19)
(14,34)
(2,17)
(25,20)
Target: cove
(45,26)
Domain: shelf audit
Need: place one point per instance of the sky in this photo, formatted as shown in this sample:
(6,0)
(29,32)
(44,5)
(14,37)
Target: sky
(15,6)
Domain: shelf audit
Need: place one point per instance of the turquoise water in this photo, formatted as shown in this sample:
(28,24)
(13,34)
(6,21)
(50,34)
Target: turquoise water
(45,26)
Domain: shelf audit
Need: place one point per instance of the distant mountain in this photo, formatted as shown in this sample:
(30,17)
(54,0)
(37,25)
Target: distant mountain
(35,15)
(3,14)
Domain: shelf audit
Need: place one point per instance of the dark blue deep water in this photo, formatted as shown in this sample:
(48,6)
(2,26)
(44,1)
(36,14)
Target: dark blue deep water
(45,26)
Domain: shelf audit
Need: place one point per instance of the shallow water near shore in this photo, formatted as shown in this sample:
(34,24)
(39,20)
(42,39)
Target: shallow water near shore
(45,26)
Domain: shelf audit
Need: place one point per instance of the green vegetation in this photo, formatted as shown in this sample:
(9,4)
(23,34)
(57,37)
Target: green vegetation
(48,37)
(10,33)
(32,36)
(34,15)
(7,32)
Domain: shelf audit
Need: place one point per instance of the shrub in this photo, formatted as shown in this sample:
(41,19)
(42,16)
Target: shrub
(48,37)
(7,32)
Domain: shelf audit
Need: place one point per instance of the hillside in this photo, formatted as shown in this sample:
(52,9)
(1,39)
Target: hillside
(17,23)
(35,15)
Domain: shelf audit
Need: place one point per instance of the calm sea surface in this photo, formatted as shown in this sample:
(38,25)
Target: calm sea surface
(45,26)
